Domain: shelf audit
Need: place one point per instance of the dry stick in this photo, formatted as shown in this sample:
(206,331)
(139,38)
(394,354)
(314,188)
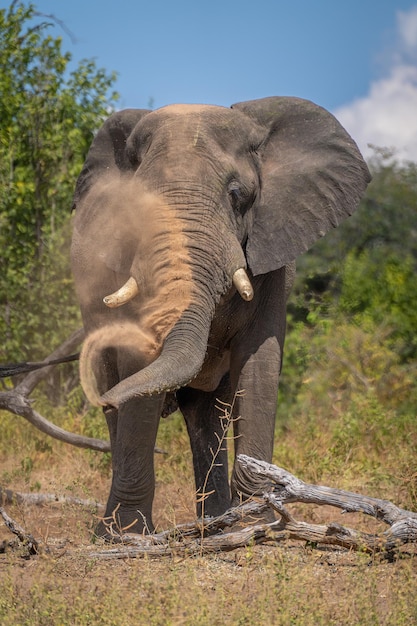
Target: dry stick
(30,543)
(226,418)
(145,546)
(189,539)
(30,381)
(7,496)
(200,527)
(16,401)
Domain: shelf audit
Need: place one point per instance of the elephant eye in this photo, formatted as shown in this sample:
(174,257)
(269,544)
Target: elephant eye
(235,194)
(240,197)
(133,157)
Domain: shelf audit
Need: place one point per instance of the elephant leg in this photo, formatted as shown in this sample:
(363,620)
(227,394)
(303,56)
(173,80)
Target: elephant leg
(133,429)
(129,506)
(255,407)
(209,447)
(110,378)
(256,366)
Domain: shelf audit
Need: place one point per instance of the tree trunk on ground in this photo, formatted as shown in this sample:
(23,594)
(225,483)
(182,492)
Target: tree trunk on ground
(208,536)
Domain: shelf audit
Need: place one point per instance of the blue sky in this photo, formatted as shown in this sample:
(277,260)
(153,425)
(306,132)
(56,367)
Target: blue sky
(357,58)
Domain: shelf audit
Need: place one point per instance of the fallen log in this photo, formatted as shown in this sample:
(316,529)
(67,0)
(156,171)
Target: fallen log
(8,496)
(27,541)
(208,535)
(288,488)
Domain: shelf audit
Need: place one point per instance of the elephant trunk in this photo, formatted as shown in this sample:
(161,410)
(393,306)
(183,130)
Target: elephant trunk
(183,351)
(180,360)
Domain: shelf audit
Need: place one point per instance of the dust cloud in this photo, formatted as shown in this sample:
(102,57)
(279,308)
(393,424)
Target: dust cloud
(123,230)
(126,337)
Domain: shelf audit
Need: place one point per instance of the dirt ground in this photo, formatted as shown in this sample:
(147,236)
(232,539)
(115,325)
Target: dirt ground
(278,584)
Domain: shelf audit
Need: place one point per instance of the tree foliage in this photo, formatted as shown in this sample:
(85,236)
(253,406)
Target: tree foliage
(48,116)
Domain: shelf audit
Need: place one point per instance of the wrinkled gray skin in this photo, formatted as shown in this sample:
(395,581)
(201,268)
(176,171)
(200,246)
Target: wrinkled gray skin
(251,186)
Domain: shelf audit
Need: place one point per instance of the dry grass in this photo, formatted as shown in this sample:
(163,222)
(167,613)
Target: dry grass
(284,584)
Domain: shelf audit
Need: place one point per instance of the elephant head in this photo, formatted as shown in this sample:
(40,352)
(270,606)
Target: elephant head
(176,208)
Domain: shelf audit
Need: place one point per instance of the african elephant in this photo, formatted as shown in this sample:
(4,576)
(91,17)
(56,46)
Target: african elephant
(188,222)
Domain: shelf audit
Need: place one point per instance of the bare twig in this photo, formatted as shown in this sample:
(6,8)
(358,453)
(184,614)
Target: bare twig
(8,496)
(226,419)
(30,543)
(28,384)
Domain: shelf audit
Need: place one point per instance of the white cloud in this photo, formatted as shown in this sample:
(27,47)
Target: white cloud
(407,28)
(387,116)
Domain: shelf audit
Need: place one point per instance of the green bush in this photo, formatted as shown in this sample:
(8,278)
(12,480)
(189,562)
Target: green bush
(48,119)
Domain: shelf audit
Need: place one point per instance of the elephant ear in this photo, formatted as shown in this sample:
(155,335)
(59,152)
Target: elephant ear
(312,177)
(107,153)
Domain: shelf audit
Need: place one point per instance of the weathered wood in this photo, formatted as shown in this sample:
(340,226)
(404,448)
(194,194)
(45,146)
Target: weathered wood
(16,401)
(8,496)
(212,534)
(287,488)
(401,532)
(30,544)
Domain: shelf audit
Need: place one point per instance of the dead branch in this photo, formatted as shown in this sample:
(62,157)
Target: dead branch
(198,538)
(29,542)
(288,488)
(208,535)
(7,496)
(19,404)
(16,400)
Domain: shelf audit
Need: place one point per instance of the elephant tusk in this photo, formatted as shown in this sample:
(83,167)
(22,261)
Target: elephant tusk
(123,295)
(243,285)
